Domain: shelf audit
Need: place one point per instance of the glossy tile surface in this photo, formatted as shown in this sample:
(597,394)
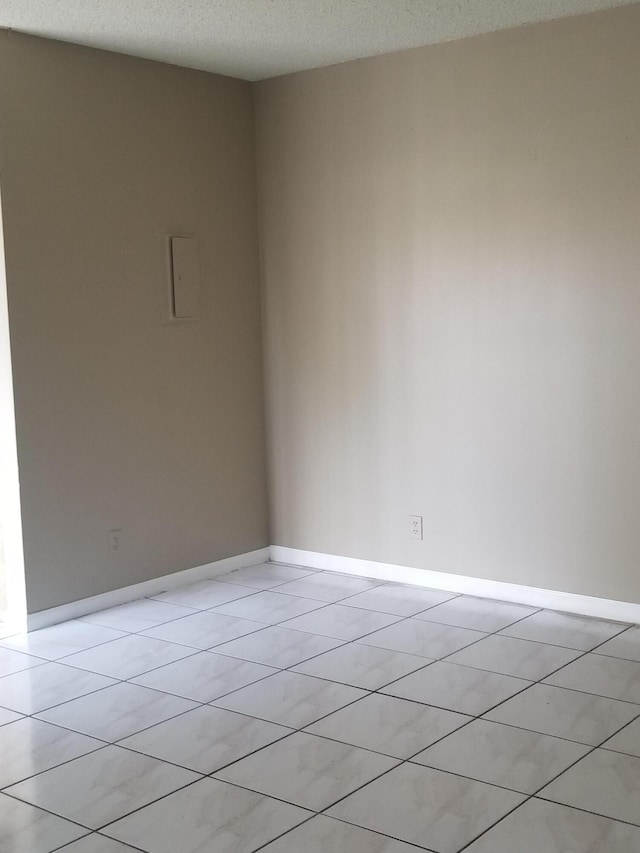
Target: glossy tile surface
(509,656)
(398,599)
(581,717)
(204,594)
(479,614)
(208,816)
(502,755)
(44,686)
(129,656)
(25,829)
(625,645)
(563,629)
(458,688)
(391,726)
(417,637)
(290,698)
(627,740)
(117,711)
(541,827)
(61,640)
(102,786)
(326,835)
(269,607)
(205,739)
(30,746)
(604,676)
(328,587)
(278,646)
(606,783)
(138,615)
(343,623)
(308,771)
(265,575)
(203,630)
(97,843)
(426,807)
(408,716)
(362,666)
(204,676)
(13,661)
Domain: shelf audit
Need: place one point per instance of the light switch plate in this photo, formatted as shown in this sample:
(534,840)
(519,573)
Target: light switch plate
(185,278)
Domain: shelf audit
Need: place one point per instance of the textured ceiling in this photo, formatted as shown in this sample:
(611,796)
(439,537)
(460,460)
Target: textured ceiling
(255,39)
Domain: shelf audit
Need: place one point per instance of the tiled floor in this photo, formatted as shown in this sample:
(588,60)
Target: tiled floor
(292,711)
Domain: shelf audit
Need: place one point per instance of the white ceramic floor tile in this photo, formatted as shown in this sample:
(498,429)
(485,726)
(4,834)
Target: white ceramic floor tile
(325,835)
(44,686)
(269,607)
(29,746)
(61,640)
(12,661)
(117,712)
(97,843)
(479,614)
(204,676)
(203,630)
(129,656)
(627,741)
(564,713)
(138,615)
(625,645)
(458,688)
(417,637)
(398,599)
(392,726)
(343,623)
(290,699)
(326,586)
(278,646)
(502,755)
(102,786)
(206,738)
(8,716)
(563,629)
(605,783)
(208,816)
(204,594)
(426,807)
(362,666)
(508,656)
(605,676)
(25,829)
(540,827)
(265,575)
(307,771)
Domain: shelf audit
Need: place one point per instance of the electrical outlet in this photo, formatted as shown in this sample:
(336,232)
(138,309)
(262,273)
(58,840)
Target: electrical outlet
(115,541)
(415,526)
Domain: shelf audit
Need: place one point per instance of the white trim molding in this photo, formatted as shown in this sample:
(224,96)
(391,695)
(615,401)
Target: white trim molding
(75,609)
(568,602)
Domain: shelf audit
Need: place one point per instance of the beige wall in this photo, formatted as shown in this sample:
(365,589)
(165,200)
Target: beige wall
(451,257)
(123,422)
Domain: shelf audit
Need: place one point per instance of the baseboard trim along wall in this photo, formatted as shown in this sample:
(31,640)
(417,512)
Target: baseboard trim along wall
(45,618)
(568,602)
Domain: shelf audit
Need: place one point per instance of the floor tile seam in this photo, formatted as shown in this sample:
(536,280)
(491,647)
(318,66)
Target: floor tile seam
(103,744)
(586,811)
(536,793)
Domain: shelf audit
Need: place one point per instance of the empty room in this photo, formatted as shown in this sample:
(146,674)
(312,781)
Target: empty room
(320,426)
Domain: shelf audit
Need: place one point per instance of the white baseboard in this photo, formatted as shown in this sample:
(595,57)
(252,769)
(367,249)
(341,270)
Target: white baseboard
(45,618)
(568,602)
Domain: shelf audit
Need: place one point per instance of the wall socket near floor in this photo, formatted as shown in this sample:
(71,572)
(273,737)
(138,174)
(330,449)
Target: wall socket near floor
(115,542)
(415,526)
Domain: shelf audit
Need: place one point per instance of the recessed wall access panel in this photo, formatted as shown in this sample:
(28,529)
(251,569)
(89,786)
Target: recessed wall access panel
(185,278)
